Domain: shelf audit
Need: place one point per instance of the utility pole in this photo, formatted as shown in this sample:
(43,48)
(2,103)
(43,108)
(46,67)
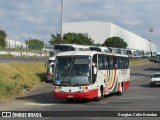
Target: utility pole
(61,29)
(151,30)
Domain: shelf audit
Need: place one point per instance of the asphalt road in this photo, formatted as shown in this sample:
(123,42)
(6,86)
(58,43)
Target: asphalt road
(139,97)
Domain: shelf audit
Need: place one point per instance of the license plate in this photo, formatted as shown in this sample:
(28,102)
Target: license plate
(70,96)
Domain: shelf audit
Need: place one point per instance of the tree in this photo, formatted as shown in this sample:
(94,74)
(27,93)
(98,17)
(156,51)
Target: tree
(55,39)
(116,42)
(71,38)
(35,44)
(77,38)
(3,42)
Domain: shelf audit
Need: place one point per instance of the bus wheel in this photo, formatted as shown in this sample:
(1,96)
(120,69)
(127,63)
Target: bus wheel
(120,92)
(151,84)
(100,94)
(69,100)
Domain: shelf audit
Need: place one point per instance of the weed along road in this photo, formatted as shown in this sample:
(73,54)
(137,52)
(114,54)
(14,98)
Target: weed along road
(139,97)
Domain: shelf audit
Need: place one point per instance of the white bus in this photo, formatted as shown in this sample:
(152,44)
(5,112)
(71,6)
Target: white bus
(146,54)
(99,49)
(67,47)
(90,74)
(50,68)
(134,53)
(70,47)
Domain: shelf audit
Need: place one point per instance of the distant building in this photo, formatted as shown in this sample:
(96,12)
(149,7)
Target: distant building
(100,31)
(15,44)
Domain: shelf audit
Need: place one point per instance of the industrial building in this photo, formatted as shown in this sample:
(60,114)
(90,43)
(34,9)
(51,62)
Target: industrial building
(100,31)
(15,44)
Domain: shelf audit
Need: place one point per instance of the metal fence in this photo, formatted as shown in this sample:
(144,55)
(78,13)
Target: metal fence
(24,52)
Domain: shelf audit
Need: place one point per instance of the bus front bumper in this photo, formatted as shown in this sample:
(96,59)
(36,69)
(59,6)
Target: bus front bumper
(77,95)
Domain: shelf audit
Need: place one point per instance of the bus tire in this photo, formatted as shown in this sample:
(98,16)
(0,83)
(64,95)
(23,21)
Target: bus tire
(151,84)
(101,94)
(120,92)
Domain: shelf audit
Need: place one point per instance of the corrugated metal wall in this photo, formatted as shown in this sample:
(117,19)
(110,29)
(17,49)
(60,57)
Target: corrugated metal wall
(100,31)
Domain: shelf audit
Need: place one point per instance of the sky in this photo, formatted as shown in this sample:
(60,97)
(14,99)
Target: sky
(29,19)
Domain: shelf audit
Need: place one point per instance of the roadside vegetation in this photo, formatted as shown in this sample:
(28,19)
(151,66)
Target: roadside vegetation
(139,61)
(16,77)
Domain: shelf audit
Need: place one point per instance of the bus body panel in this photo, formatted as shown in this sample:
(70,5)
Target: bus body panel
(110,79)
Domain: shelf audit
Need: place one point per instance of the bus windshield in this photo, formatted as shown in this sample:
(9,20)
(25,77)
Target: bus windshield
(72,71)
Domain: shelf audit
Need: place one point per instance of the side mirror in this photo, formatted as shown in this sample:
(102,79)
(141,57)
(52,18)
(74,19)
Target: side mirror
(94,69)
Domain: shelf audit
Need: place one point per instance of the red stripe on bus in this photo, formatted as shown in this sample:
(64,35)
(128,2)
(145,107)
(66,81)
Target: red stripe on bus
(118,88)
(126,84)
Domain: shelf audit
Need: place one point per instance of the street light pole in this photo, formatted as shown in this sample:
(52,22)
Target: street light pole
(151,30)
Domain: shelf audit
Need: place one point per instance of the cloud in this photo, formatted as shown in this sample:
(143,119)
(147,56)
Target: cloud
(28,16)
(136,16)
(21,18)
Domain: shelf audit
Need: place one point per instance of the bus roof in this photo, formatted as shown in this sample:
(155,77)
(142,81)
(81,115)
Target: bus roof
(52,58)
(73,45)
(86,53)
(98,47)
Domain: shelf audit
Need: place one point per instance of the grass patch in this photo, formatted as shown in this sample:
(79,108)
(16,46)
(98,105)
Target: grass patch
(139,61)
(16,76)
(6,55)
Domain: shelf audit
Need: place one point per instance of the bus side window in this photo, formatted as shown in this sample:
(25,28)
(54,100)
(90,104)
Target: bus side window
(121,63)
(117,62)
(111,64)
(100,62)
(106,62)
(125,62)
(71,49)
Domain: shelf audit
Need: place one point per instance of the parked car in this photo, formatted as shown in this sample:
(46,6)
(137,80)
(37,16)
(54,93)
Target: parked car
(155,80)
